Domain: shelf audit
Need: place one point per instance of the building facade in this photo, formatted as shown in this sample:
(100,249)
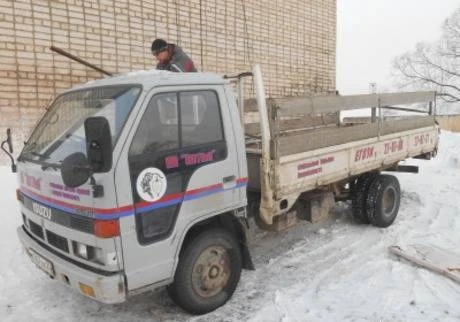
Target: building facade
(293,40)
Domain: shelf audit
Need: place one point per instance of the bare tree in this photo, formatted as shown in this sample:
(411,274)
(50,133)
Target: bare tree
(434,66)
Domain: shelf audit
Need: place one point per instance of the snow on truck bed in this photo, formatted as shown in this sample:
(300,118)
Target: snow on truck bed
(336,271)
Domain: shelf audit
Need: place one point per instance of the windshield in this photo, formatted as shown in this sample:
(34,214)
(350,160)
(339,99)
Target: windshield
(61,130)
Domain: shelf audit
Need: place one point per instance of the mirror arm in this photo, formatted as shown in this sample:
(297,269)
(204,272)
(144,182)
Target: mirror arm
(13,165)
(98,190)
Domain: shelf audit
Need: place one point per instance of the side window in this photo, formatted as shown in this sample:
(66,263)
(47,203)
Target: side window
(158,129)
(201,122)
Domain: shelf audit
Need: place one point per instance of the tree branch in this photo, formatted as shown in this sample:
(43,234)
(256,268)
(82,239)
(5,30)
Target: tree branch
(446,97)
(435,65)
(429,62)
(419,76)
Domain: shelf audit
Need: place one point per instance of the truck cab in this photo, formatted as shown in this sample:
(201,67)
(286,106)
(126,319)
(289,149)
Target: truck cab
(139,181)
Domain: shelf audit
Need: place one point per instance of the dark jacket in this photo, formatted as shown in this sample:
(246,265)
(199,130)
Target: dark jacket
(179,62)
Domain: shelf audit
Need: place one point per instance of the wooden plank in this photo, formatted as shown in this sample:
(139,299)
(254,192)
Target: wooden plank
(329,136)
(325,104)
(299,123)
(431,257)
(390,99)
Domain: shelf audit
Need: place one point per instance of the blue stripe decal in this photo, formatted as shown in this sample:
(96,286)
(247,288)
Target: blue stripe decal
(126,213)
(188,198)
(159,205)
(202,194)
(113,216)
(49,204)
(72,211)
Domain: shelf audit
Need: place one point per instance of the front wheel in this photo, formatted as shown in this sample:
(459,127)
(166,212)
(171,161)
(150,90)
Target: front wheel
(208,272)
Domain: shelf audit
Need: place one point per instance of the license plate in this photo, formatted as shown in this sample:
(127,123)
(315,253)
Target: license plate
(41,262)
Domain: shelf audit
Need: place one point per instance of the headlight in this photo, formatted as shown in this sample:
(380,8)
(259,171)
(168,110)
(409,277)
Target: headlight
(90,253)
(82,250)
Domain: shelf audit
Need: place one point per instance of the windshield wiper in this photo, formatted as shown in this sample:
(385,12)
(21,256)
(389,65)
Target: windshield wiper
(25,156)
(27,151)
(47,165)
(41,156)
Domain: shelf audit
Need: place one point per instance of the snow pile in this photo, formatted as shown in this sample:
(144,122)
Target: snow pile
(336,271)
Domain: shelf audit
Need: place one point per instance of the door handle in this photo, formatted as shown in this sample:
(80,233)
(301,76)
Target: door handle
(229,179)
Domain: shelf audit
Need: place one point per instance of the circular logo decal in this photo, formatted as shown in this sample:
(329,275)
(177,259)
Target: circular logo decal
(151,184)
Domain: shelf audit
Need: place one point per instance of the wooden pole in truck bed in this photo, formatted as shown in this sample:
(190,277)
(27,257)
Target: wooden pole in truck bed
(81,61)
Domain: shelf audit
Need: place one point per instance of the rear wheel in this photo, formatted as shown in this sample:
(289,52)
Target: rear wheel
(208,272)
(359,196)
(383,200)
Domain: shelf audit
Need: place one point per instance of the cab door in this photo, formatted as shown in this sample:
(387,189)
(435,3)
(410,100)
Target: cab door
(182,166)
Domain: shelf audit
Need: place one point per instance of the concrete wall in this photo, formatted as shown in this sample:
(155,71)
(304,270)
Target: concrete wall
(294,40)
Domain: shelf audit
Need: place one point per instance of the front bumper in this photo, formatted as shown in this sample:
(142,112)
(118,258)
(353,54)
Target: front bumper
(106,289)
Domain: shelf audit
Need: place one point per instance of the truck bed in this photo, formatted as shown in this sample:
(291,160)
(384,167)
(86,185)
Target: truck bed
(297,145)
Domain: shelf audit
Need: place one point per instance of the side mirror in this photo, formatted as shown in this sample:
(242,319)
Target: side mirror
(75,170)
(98,144)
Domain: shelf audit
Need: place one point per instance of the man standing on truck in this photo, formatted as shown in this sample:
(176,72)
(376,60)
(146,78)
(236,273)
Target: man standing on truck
(171,57)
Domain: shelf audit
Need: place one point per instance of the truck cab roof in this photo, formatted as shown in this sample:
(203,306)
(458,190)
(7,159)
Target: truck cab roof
(152,78)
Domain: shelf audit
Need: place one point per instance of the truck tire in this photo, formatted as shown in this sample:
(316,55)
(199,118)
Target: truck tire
(359,196)
(383,200)
(208,272)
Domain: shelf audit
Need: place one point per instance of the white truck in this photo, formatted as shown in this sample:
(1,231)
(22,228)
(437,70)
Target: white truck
(135,182)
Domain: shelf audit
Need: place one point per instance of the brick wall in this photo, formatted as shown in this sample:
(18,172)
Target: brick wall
(294,40)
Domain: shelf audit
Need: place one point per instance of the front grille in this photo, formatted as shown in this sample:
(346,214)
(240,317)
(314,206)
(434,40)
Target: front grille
(36,229)
(82,224)
(74,221)
(57,241)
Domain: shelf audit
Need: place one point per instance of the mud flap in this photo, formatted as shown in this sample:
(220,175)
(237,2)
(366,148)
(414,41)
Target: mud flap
(247,260)
(245,254)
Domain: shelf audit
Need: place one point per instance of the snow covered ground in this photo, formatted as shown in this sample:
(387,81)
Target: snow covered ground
(336,271)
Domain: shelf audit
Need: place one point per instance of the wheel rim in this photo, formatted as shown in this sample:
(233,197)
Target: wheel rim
(211,271)
(388,202)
